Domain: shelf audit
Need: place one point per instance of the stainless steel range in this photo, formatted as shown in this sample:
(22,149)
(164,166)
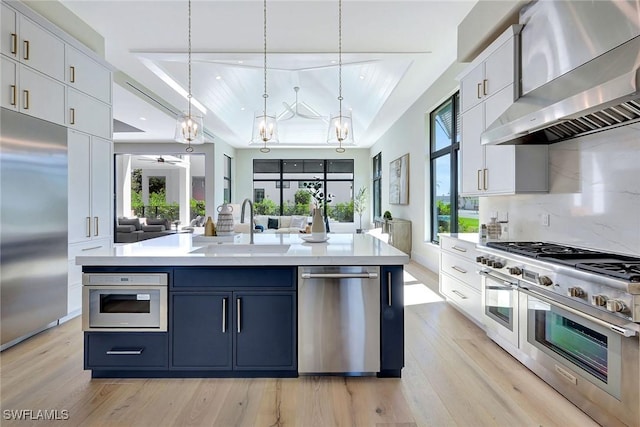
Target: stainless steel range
(572,316)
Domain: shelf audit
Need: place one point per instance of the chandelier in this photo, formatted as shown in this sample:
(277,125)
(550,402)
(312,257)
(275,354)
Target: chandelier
(265,126)
(340,123)
(189,127)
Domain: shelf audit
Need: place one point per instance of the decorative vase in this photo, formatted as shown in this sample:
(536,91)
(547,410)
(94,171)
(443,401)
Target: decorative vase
(225,220)
(209,228)
(318,226)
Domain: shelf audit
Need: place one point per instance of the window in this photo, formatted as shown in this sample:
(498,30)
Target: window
(377,186)
(450,213)
(283,187)
(227,179)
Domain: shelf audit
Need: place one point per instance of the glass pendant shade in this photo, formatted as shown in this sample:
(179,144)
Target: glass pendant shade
(189,129)
(265,128)
(340,129)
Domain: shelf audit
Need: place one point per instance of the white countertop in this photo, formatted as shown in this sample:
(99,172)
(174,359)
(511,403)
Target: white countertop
(175,250)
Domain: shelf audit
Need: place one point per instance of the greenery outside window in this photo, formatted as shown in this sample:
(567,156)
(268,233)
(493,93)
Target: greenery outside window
(450,213)
(283,186)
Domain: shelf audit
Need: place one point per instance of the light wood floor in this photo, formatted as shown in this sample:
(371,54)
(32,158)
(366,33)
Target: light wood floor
(454,376)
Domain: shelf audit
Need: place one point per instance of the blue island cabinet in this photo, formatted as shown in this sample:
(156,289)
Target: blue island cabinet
(239,322)
(392,321)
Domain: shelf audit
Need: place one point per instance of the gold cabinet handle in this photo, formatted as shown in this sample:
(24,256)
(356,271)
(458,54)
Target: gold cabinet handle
(14,43)
(88,229)
(95,225)
(486,179)
(479,179)
(238,308)
(26,50)
(479,95)
(224,315)
(485,84)
(72,115)
(72,74)
(26,99)
(13,95)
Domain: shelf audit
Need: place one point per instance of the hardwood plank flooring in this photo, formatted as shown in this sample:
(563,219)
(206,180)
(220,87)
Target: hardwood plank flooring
(454,376)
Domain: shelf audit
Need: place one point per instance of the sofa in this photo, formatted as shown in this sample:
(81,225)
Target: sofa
(275,224)
(131,230)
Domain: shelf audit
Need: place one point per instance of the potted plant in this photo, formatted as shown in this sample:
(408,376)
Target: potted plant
(387,217)
(360,205)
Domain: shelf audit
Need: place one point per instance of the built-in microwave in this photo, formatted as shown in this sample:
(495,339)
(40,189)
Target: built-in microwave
(124,302)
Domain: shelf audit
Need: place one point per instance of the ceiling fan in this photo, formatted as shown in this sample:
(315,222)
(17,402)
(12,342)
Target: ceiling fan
(293,110)
(161,159)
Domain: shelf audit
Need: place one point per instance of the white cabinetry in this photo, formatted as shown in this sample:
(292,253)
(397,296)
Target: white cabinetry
(9,82)
(88,114)
(460,282)
(89,187)
(488,87)
(86,75)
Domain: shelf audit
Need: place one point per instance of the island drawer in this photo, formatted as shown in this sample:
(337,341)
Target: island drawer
(126,350)
(234,277)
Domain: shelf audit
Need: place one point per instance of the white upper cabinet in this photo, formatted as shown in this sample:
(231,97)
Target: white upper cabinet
(487,88)
(9,84)
(40,49)
(8,32)
(88,114)
(41,96)
(86,75)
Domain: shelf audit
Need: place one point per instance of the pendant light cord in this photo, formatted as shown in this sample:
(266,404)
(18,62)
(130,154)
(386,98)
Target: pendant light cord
(189,149)
(265,149)
(340,136)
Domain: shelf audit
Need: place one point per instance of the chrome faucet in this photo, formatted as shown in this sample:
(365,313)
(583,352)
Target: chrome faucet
(244,202)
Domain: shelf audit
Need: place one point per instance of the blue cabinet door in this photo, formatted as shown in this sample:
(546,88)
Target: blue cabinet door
(201,333)
(265,331)
(392,321)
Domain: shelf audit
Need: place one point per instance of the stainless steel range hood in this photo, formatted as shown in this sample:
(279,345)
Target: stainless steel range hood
(599,94)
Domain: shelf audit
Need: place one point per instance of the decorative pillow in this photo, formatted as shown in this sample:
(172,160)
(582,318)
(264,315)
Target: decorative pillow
(159,221)
(262,220)
(130,221)
(285,221)
(272,223)
(298,221)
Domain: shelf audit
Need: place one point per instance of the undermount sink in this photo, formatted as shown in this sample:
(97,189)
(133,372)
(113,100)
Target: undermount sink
(232,249)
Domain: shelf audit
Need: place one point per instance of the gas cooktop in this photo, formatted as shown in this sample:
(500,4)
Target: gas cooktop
(603,263)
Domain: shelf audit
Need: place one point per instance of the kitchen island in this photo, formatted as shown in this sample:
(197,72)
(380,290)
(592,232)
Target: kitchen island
(235,309)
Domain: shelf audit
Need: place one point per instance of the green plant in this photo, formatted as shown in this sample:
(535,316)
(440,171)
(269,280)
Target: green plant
(319,196)
(387,215)
(360,203)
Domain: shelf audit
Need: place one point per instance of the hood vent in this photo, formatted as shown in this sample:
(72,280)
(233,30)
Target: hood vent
(598,95)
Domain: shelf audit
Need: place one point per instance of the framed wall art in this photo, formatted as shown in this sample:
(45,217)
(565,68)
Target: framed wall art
(399,181)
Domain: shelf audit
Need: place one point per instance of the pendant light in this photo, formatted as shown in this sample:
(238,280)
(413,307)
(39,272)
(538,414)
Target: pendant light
(340,124)
(265,126)
(189,127)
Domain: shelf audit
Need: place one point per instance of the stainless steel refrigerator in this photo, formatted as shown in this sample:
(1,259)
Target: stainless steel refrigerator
(33,225)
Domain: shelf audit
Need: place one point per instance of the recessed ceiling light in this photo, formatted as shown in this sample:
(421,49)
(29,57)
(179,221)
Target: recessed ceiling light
(143,118)
(361,77)
(241,108)
(334,61)
(218,77)
(240,62)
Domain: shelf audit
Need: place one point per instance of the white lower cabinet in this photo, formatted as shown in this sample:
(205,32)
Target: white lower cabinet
(74,293)
(460,282)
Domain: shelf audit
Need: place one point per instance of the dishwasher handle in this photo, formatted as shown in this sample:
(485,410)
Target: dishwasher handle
(339,275)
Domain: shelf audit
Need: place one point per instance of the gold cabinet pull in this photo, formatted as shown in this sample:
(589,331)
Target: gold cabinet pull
(72,115)
(486,179)
(26,50)
(88,224)
(72,74)
(13,95)
(26,99)
(485,84)
(479,95)
(479,179)
(14,43)
(95,226)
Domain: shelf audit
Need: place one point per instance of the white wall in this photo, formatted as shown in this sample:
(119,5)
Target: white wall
(362,172)
(410,135)
(593,199)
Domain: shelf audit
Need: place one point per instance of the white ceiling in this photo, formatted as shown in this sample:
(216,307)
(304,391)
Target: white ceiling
(392,52)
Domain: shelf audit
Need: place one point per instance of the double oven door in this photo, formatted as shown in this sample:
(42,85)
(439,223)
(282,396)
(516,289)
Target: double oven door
(500,310)
(591,359)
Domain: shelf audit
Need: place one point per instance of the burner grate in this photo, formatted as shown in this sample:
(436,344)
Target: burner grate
(623,270)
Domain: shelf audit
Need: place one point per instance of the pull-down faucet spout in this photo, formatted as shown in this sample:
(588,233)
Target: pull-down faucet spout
(244,202)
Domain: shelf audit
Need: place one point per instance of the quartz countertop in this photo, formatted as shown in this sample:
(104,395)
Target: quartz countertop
(178,250)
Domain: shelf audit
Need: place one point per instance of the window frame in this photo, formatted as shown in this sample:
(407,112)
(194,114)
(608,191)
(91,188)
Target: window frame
(227,178)
(377,179)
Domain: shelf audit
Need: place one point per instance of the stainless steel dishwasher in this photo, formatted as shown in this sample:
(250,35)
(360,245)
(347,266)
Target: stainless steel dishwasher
(339,320)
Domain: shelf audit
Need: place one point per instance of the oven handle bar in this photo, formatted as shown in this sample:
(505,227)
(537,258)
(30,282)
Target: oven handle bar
(615,328)
(506,283)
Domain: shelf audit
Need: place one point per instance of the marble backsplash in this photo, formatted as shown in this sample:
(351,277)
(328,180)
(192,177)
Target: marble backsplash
(593,199)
